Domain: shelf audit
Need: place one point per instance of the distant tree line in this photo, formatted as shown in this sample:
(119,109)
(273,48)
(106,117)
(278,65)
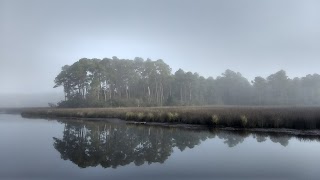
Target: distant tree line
(121,82)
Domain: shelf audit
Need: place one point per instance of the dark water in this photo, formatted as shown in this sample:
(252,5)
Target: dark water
(51,149)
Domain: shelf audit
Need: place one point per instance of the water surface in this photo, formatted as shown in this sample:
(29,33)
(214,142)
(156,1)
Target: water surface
(64,149)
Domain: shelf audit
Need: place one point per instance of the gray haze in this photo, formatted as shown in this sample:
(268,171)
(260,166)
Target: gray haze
(254,37)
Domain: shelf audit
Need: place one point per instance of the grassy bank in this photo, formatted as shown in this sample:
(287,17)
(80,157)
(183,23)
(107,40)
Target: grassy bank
(229,116)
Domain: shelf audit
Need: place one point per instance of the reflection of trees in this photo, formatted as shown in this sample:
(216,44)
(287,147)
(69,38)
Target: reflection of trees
(260,137)
(111,145)
(280,138)
(115,144)
(232,138)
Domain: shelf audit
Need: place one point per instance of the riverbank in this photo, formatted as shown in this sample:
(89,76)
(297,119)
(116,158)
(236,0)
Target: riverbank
(217,116)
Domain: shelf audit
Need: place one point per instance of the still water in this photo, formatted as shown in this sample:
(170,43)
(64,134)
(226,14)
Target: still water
(65,149)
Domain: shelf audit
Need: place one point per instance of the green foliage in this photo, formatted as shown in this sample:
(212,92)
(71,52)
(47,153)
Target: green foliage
(143,83)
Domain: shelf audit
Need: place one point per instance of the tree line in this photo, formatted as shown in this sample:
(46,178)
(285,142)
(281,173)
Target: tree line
(114,82)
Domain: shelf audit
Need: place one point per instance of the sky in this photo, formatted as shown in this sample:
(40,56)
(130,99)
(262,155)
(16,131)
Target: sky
(253,37)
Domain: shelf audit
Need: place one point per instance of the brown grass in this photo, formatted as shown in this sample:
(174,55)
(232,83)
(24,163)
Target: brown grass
(222,116)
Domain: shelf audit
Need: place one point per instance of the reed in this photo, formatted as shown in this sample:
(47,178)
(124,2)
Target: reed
(222,116)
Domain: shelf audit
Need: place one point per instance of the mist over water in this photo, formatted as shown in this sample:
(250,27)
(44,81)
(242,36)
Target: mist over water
(18,100)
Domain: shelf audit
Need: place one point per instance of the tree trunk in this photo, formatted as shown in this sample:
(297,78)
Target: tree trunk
(105,95)
(161,97)
(149,94)
(98,94)
(127,92)
(79,89)
(190,92)
(181,94)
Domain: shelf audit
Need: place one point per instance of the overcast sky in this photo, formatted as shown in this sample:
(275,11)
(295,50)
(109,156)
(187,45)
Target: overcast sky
(254,37)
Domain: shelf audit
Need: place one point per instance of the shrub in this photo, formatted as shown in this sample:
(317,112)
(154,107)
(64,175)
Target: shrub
(150,116)
(215,119)
(244,120)
(129,115)
(140,116)
(172,116)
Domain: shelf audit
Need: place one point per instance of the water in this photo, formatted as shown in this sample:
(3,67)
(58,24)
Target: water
(51,149)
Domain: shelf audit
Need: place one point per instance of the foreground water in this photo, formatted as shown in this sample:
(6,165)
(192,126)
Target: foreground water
(56,149)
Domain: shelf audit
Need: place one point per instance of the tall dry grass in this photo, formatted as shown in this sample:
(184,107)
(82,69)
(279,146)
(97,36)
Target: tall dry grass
(222,116)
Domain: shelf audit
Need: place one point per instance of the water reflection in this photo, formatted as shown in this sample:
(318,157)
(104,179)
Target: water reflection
(115,144)
(233,138)
(112,145)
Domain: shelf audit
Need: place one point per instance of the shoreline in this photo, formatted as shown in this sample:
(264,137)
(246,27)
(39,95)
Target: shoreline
(244,117)
(285,131)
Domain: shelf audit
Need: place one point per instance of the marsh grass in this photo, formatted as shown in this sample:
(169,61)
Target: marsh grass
(226,116)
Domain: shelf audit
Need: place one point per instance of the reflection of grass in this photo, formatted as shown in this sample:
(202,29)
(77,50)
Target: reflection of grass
(226,116)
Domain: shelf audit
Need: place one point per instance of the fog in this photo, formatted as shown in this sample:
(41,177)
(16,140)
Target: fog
(12,100)
(256,38)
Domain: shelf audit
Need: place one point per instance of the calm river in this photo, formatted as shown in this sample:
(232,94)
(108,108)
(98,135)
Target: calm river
(65,149)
